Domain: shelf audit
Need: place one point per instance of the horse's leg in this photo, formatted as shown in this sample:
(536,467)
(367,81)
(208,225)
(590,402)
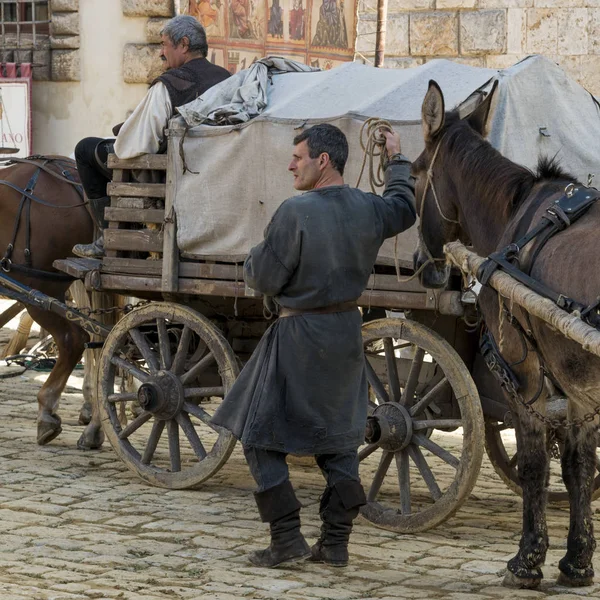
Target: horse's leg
(578,471)
(524,569)
(70,341)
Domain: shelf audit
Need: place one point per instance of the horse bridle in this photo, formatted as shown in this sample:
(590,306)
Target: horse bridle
(429,184)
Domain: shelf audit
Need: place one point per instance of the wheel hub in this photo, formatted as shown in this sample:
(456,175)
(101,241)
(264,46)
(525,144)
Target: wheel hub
(162,395)
(390,426)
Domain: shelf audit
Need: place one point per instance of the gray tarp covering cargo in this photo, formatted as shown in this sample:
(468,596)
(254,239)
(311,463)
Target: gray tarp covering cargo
(242,169)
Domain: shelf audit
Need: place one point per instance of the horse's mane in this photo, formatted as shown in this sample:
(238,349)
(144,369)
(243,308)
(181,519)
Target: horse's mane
(493,175)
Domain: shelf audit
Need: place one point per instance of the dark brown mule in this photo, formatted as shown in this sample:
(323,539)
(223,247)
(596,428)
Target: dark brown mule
(57,221)
(466,190)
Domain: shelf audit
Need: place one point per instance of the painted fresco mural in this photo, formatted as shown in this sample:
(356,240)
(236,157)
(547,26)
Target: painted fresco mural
(317,32)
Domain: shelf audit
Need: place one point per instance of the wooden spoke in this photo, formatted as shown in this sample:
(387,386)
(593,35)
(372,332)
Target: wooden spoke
(498,426)
(157,429)
(367,451)
(163,344)
(425,471)
(413,377)
(204,392)
(200,366)
(127,397)
(174,451)
(199,413)
(514,460)
(139,339)
(182,351)
(392,369)
(188,428)
(384,465)
(429,397)
(376,384)
(403,466)
(135,425)
(127,366)
(437,424)
(437,450)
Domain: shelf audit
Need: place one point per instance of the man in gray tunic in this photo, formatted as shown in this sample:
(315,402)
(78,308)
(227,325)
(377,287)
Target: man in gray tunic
(304,390)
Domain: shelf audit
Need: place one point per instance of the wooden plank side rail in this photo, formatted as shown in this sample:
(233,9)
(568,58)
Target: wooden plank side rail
(448,302)
(569,325)
(133,215)
(137,190)
(148,162)
(204,270)
(133,240)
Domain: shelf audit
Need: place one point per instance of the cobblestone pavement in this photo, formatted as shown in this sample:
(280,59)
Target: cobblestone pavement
(77,525)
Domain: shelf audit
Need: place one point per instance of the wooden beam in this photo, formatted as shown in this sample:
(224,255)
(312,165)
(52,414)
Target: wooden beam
(170,271)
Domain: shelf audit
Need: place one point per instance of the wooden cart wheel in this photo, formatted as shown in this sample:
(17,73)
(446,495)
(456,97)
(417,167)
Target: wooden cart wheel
(170,441)
(422,467)
(502,453)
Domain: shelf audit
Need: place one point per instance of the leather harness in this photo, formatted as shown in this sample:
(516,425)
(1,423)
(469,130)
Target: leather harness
(24,210)
(570,207)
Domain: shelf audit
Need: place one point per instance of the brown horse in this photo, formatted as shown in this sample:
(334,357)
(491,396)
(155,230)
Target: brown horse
(467,190)
(34,232)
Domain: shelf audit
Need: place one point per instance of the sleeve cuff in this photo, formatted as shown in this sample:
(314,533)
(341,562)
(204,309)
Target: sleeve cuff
(398,158)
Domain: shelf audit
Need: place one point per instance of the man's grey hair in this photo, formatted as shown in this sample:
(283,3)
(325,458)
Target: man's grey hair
(185,26)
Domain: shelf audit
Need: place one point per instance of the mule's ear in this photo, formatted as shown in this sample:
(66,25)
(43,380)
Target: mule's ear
(432,111)
(478,118)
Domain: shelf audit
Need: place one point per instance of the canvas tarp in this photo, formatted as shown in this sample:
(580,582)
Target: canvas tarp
(238,175)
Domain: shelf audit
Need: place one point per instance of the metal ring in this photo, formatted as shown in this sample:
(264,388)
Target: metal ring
(5,264)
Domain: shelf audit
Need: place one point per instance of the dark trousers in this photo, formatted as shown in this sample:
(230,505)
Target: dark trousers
(269,468)
(91,156)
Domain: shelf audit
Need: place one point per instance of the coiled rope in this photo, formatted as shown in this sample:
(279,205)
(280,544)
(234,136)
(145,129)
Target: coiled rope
(372,143)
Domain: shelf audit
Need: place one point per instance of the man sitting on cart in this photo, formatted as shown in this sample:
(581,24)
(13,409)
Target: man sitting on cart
(304,390)
(189,74)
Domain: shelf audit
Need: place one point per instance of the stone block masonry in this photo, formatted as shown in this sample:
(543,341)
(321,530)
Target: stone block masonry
(488,33)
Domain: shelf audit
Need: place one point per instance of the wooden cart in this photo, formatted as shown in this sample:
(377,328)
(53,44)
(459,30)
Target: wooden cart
(166,364)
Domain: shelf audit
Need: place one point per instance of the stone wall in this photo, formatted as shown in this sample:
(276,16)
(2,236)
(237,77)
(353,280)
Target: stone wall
(488,33)
(141,62)
(61,61)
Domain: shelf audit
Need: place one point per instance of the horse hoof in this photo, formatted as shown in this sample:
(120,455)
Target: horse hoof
(567,581)
(521,583)
(49,427)
(91,439)
(570,576)
(85,415)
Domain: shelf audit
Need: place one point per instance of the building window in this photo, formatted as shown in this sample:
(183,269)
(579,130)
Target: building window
(24,21)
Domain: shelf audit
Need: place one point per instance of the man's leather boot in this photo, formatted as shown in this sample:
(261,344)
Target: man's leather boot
(338,509)
(279,507)
(95,249)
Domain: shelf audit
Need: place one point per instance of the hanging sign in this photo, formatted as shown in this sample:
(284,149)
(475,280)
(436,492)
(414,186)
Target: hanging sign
(321,33)
(15,106)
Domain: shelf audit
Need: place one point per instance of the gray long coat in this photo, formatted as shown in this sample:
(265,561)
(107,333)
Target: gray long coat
(304,390)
